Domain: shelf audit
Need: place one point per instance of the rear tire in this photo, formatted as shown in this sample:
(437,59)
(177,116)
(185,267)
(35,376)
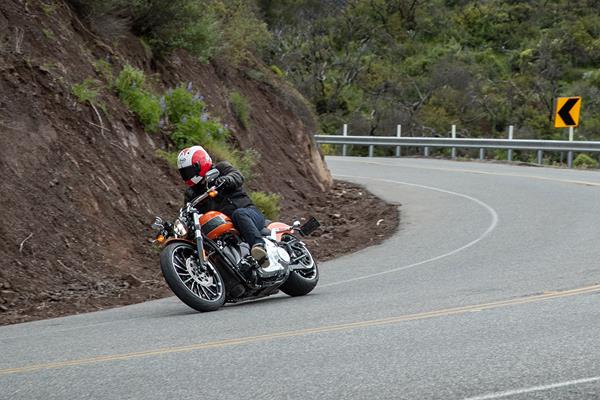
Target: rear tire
(201,291)
(302,281)
(297,285)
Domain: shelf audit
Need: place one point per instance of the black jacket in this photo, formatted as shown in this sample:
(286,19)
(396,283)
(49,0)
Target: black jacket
(230,197)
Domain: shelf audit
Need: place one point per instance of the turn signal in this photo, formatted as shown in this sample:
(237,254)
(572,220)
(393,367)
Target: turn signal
(213,193)
(160,239)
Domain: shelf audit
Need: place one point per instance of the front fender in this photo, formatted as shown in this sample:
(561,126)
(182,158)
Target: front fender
(181,240)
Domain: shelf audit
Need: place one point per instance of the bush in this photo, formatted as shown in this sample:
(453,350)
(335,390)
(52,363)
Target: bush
(243,32)
(169,156)
(86,91)
(104,69)
(277,71)
(243,160)
(164,24)
(267,203)
(198,130)
(330,149)
(180,102)
(178,24)
(241,109)
(130,88)
(584,161)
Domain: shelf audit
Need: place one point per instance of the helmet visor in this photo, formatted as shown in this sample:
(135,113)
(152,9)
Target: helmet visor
(190,172)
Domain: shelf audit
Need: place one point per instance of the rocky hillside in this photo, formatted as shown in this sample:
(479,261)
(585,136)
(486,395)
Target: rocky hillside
(80,184)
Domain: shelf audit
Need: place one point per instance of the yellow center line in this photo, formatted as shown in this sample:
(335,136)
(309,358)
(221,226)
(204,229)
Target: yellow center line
(303,332)
(478,172)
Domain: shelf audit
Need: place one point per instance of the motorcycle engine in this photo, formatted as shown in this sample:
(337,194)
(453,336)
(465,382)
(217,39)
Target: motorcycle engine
(279,259)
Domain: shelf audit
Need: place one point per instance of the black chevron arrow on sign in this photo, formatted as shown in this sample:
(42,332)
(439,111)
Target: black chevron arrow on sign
(565,111)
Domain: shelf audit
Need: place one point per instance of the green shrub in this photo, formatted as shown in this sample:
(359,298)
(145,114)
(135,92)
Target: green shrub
(277,71)
(198,130)
(330,149)
(104,69)
(130,78)
(243,32)
(169,156)
(241,108)
(243,160)
(194,29)
(49,34)
(181,102)
(86,91)
(585,161)
(268,203)
(130,88)
(164,25)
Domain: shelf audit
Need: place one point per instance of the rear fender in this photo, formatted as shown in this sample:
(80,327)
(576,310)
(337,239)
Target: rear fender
(278,229)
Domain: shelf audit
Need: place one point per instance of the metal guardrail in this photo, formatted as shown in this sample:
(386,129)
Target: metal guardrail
(482,144)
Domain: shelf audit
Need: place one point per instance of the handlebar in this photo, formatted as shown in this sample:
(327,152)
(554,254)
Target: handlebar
(203,196)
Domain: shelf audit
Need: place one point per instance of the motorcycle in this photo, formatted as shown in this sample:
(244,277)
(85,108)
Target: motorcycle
(206,263)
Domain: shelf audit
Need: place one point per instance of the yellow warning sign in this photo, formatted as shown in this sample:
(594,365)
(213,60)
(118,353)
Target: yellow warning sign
(567,112)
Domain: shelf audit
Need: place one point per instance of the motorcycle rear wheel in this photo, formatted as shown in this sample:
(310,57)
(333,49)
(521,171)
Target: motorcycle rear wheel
(302,281)
(201,290)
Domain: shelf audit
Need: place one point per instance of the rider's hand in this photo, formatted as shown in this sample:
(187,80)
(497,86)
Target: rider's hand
(224,182)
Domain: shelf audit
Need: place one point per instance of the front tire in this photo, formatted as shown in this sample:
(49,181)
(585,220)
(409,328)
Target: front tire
(201,290)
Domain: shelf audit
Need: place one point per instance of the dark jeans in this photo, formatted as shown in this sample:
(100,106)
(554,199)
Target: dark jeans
(249,221)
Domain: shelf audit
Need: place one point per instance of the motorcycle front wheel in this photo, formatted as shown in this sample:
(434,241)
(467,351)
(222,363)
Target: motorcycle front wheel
(202,289)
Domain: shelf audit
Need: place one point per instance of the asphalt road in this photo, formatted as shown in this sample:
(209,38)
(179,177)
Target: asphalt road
(491,289)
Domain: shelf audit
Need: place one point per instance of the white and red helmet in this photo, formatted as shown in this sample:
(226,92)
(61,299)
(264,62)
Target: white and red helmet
(193,163)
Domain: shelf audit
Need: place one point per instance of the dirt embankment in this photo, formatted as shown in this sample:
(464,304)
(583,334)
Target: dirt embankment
(80,186)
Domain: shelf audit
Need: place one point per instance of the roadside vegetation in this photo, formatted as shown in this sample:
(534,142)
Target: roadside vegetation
(241,108)
(230,29)
(181,113)
(429,64)
(425,65)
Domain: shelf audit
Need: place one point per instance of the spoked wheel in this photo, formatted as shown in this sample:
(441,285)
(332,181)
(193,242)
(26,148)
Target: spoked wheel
(200,288)
(305,276)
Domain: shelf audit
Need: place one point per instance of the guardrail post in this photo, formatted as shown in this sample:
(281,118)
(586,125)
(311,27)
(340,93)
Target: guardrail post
(398,134)
(345,146)
(510,137)
(540,157)
(371,150)
(482,154)
(426,151)
(453,137)
(570,153)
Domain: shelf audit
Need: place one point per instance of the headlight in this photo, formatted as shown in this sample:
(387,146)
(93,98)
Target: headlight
(179,228)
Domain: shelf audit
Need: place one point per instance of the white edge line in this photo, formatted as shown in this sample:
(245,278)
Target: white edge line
(507,393)
(490,228)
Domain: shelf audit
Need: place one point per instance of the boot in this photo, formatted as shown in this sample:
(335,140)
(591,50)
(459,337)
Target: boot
(259,253)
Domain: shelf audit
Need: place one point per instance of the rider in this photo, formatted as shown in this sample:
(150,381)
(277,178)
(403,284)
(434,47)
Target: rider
(193,164)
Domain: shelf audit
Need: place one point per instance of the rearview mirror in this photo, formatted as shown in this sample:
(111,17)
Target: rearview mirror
(212,175)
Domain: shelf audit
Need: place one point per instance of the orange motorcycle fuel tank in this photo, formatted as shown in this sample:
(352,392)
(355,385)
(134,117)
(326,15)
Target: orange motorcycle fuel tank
(214,224)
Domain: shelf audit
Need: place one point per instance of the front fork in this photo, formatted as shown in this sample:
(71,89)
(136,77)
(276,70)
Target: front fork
(199,240)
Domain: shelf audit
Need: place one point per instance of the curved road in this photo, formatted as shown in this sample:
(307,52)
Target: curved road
(491,289)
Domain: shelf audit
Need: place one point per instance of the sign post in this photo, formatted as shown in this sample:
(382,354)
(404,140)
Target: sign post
(567,114)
